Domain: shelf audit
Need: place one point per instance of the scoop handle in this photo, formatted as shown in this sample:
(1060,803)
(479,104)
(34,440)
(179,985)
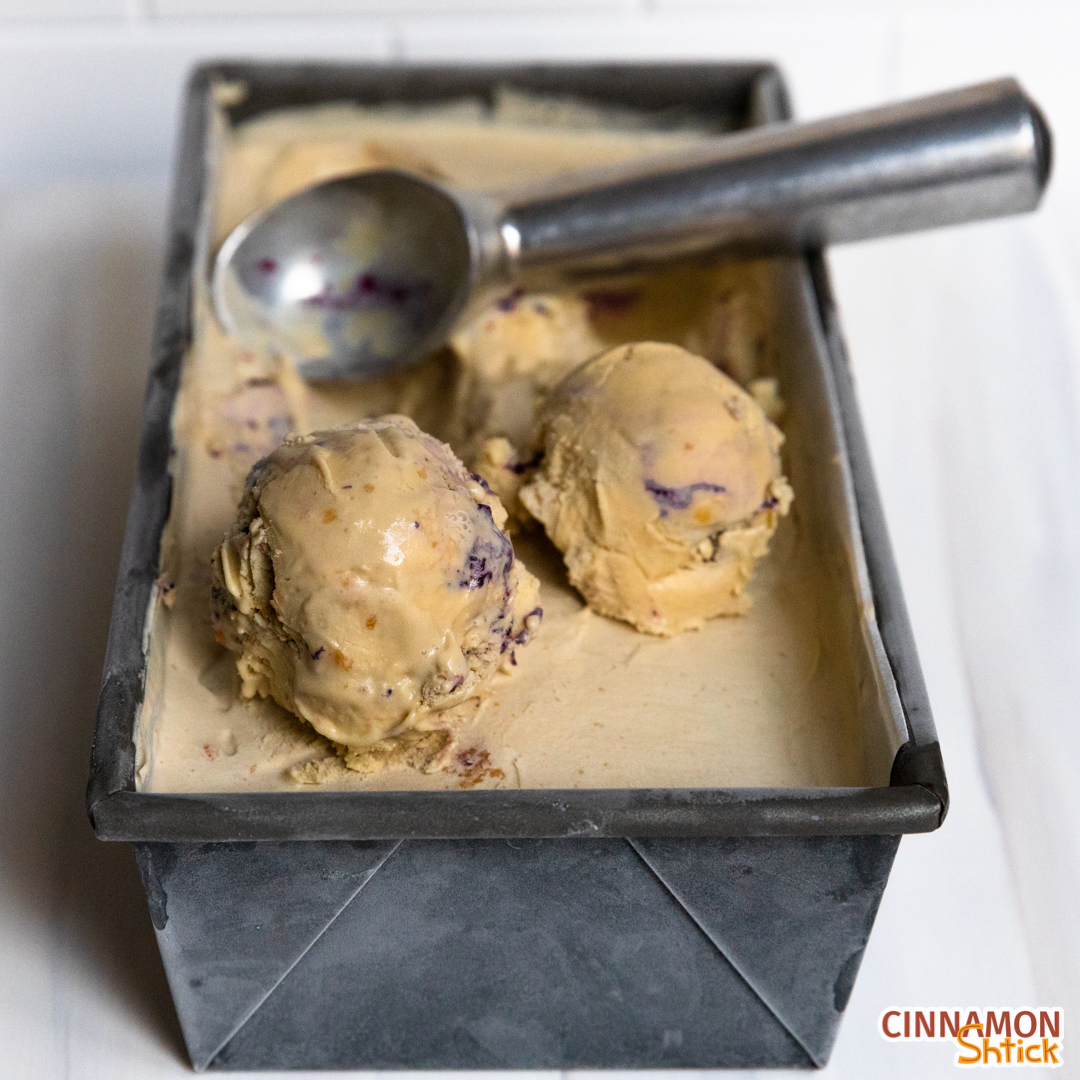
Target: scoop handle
(980,152)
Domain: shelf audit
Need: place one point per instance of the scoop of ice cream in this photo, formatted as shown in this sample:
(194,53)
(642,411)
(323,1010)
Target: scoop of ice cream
(367,582)
(660,483)
(510,355)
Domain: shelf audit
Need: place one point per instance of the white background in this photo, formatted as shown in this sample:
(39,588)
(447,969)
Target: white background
(966,346)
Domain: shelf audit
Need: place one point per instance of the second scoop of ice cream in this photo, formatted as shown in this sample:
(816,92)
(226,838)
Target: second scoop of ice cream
(367,582)
(661,484)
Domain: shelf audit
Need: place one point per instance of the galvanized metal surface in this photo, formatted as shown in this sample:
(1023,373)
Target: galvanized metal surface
(331,815)
(514,954)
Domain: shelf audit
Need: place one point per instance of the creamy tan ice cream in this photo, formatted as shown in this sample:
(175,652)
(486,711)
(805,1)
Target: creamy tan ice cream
(367,583)
(778,699)
(660,483)
(509,356)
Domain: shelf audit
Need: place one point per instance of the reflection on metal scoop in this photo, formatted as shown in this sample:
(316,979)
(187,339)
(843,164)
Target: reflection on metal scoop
(352,277)
(367,273)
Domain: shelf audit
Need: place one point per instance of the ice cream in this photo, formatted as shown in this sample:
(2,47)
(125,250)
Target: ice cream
(367,583)
(777,699)
(660,482)
(509,356)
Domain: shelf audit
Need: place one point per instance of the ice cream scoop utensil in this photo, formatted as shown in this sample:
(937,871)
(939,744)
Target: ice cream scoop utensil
(368,272)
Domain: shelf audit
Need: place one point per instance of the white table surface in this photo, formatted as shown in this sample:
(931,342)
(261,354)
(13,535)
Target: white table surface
(966,346)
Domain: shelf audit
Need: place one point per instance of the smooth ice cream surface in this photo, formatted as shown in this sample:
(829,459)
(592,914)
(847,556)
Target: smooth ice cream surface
(661,484)
(367,583)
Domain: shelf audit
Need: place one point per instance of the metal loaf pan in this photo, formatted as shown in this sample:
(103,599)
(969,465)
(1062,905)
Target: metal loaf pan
(520,924)
(728,96)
